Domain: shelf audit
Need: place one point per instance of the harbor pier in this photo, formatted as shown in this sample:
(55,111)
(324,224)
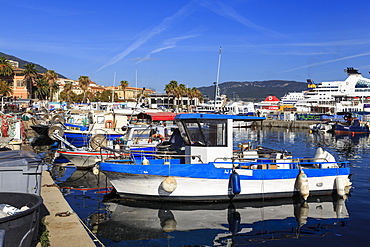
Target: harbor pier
(295,124)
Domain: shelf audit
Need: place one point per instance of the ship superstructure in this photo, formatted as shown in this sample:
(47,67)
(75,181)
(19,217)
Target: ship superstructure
(353,94)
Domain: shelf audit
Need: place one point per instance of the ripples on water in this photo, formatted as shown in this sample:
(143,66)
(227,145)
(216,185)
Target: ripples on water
(323,221)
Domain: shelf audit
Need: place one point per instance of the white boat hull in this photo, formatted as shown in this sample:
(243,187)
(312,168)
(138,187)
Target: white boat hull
(197,189)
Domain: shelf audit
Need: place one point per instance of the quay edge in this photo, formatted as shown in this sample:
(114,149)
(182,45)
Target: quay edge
(298,124)
(63,231)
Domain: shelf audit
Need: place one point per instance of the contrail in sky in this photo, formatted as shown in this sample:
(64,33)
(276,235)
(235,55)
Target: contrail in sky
(325,62)
(168,44)
(144,37)
(228,12)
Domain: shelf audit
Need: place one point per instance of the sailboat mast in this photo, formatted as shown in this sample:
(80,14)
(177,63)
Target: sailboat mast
(218,76)
(114,82)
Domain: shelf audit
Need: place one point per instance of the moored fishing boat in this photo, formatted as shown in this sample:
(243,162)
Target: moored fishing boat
(353,127)
(137,138)
(207,169)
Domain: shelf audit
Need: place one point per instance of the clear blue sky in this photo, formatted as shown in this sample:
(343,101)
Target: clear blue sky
(166,40)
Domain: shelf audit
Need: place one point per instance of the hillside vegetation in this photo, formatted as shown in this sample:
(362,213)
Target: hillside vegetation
(254,91)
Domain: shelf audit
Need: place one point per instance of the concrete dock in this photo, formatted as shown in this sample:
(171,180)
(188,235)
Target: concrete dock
(299,124)
(64,226)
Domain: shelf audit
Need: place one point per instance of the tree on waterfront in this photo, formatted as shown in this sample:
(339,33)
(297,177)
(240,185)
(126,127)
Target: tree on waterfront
(6,71)
(181,92)
(194,93)
(51,77)
(124,85)
(68,90)
(30,77)
(106,96)
(6,68)
(68,97)
(5,89)
(83,83)
(170,89)
(41,89)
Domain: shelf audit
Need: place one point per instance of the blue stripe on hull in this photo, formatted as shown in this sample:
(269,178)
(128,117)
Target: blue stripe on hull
(208,171)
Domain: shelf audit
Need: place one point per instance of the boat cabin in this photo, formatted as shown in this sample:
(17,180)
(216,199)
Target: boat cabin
(209,136)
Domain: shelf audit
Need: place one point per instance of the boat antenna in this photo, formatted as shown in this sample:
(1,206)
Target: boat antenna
(217,90)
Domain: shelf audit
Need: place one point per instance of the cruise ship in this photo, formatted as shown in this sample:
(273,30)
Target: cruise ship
(351,95)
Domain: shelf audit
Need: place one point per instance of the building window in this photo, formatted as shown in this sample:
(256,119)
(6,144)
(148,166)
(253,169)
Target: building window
(20,83)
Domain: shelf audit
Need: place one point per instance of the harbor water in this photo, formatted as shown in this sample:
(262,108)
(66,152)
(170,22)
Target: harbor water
(321,221)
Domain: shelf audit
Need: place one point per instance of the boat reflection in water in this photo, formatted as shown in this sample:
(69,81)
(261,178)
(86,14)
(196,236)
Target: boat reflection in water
(215,224)
(85,180)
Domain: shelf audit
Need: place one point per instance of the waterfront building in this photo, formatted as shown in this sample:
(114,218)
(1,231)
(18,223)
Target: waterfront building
(163,100)
(130,93)
(271,103)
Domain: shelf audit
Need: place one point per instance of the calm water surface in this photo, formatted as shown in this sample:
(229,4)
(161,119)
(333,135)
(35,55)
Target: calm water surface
(323,221)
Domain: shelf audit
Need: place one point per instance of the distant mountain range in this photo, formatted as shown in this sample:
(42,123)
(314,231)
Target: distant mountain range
(22,62)
(254,91)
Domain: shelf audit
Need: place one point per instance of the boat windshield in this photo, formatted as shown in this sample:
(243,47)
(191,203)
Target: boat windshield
(210,133)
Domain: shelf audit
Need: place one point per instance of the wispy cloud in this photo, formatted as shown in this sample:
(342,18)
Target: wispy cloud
(328,61)
(167,44)
(145,36)
(226,11)
(349,42)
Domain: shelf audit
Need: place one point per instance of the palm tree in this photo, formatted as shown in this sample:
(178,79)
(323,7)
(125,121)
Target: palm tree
(42,89)
(124,85)
(6,70)
(68,90)
(51,77)
(83,83)
(170,89)
(30,77)
(182,91)
(5,89)
(194,93)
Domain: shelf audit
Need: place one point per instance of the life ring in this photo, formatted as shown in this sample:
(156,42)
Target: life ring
(156,136)
(108,124)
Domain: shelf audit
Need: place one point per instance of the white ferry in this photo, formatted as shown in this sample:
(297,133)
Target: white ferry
(291,98)
(351,95)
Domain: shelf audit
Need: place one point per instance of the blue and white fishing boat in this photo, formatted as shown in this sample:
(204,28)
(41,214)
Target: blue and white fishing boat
(352,127)
(208,169)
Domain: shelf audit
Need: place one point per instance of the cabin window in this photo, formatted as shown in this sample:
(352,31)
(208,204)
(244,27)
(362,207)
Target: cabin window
(100,120)
(210,133)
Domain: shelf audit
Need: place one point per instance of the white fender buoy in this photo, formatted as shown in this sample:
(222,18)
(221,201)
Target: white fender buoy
(169,184)
(145,161)
(95,170)
(339,185)
(303,185)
